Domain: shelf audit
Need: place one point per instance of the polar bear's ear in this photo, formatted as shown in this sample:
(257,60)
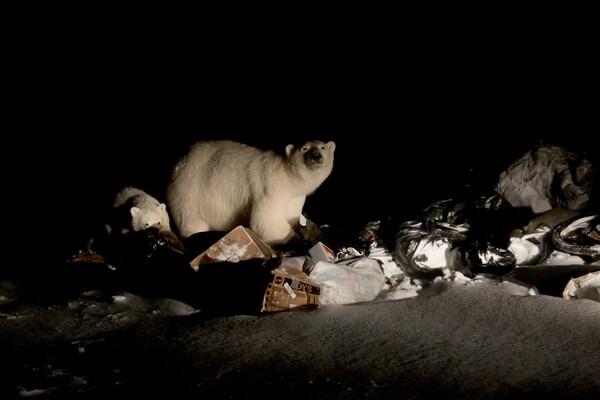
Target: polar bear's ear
(134,211)
(288,149)
(331,145)
(162,206)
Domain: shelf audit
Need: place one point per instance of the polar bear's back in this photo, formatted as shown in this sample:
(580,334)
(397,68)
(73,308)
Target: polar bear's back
(212,179)
(212,160)
(133,197)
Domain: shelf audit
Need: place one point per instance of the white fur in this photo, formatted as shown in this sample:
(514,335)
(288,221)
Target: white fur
(143,212)
(221,184)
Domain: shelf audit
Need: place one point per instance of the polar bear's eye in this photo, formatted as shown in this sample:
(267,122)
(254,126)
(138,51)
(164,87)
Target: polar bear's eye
(322,147)
(305,149)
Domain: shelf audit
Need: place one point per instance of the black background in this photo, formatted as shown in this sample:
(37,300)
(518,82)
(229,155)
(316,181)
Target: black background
(413,122)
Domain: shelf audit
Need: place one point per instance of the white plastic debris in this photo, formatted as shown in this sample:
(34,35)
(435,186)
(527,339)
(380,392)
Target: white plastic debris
(348,281)
(584,287)
(546,177)
(531,248)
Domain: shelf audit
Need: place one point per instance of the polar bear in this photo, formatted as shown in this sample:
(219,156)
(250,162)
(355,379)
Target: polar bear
(134,210)
(221,184)
(134,225)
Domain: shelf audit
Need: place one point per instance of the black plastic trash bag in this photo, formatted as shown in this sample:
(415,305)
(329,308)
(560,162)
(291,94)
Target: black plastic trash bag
(426,253)
(484,257)
(138,249)
(425,250)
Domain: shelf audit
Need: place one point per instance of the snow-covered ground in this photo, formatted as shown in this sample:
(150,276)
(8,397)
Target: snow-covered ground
(457,337)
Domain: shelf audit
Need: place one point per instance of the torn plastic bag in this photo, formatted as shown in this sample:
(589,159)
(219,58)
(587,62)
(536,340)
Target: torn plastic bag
(449,211)
(531,248)
(348,281)
(425,253)
(546,177)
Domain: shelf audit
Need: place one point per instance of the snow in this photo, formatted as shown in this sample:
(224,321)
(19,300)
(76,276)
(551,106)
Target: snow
(454,337)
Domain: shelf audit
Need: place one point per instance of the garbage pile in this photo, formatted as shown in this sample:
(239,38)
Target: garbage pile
(540,213)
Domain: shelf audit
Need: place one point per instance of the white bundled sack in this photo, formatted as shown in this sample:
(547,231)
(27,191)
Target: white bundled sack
(547,177)
(348,281)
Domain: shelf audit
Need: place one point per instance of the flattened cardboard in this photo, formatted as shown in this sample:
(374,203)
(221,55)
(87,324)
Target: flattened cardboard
(239,244)
(290,288)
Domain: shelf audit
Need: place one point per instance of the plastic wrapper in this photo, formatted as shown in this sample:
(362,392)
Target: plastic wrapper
(348,281)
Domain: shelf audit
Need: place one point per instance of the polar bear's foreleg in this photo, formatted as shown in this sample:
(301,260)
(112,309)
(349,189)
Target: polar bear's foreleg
(270,221)
(295,209)
(189,226)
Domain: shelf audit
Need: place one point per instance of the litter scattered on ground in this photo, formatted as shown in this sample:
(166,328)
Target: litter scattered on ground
(536,217)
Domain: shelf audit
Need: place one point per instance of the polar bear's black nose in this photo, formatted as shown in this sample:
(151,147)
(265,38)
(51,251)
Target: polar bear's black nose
(315,155)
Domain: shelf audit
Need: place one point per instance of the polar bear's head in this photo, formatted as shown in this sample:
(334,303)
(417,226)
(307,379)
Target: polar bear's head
(312,163)
(313,155)
(149,216)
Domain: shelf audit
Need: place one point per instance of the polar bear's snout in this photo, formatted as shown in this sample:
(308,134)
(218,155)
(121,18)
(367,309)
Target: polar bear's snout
(314,156)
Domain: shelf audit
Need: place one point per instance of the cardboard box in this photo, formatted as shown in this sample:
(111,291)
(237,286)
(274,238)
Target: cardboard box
(238,245)
(320,252)
(290,288)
